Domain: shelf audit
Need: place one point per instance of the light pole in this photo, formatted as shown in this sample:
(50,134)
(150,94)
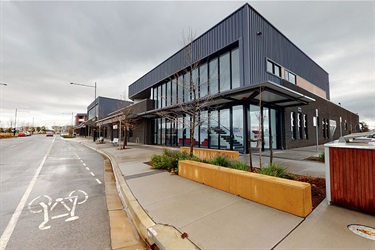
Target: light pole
(89,86)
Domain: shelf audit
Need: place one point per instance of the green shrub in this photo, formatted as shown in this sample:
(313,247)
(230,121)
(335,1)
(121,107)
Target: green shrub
(321,157)
(239,165)
(169,160)
(220,160)
(275,170)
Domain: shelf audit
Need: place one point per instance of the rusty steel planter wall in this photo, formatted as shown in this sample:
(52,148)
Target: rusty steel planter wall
(351,176)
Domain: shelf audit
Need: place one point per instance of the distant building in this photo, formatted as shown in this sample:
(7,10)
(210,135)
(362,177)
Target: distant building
(99,109)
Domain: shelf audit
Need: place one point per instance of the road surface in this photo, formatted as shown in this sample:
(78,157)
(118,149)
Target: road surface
(52,195)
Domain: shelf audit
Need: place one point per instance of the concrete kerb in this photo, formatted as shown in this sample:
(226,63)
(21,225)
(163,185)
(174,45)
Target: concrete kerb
(164,236)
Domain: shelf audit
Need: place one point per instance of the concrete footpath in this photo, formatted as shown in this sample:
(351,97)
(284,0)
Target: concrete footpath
(170,206)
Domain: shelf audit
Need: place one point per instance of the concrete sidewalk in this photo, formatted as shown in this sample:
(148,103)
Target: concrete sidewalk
(214,219)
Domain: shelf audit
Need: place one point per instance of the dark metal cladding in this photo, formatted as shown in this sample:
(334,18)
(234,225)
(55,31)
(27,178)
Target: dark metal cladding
(257,40)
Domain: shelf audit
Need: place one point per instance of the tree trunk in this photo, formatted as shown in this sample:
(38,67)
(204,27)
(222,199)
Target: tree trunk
(125,139)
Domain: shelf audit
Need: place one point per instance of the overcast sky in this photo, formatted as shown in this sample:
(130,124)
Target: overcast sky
(46,45)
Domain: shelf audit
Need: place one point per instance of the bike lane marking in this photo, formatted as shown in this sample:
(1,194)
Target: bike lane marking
(16,215)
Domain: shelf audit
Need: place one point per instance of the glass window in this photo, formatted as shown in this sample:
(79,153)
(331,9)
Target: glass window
(277,70)
(187,86)
(238,132)
(235,68)
(180,131)
(180,89)
(203,84)
(224,72)
(203,141)
(224,129)
(155,96)
(187,129)
(213,75)
(159,97)
(292,125)
(290,77)
(156,131)
(168,93)
(273,68)
(300,130)
(305,126)
(173,92)
(269,67)
(195,80)
(159,130)
(162,128)
(214,126)
(255,126)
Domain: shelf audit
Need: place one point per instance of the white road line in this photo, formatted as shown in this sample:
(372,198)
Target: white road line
(81,161)
(92,173)
(99,182)
(88,168)
(84,164)
(16,215)
(12,146)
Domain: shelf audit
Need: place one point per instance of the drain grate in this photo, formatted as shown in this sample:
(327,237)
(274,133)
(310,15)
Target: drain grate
(364,231)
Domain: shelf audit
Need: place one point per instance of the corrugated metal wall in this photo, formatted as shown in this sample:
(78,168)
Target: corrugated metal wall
(241,26)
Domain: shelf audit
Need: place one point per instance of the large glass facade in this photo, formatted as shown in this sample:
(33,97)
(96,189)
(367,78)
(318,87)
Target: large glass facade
(214,75)
(221,129)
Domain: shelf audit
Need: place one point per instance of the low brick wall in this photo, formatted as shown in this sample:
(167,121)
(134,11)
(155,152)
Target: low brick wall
(290,196)
(208,154)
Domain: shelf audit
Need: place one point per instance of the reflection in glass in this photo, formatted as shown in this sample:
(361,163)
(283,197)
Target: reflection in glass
(213,76)
(235,69)
(224,72)
(238,135)
(255,125)
(203,80)
(224,130)
(214,136)
(204,129)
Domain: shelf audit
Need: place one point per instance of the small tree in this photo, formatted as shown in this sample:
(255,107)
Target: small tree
(128,120)
(193,103)
(364,127)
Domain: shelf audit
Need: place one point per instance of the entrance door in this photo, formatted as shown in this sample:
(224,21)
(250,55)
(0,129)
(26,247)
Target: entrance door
(269,127)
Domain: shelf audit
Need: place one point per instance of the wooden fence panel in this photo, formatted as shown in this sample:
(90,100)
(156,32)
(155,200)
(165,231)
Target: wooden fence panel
(352,174)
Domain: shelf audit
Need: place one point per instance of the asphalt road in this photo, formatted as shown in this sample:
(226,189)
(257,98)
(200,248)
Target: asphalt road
(52,195)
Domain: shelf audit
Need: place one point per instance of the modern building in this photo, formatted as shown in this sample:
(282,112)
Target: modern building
(99,109)
(246,73)
(79,124)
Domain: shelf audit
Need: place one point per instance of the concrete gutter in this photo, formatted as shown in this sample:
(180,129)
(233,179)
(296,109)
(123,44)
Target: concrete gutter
(163,236)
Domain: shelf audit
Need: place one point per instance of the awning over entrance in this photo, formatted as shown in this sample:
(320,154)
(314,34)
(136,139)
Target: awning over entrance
(270,93)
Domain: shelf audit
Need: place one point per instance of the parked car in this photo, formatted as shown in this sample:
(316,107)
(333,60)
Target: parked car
(49,133)
(21,134)
(28,133)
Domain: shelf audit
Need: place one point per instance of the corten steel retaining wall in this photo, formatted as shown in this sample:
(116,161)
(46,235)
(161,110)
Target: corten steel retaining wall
(207,154)
(290,196)
(352,178)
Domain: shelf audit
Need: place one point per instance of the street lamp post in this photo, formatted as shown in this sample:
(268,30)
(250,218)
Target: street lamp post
(90,86)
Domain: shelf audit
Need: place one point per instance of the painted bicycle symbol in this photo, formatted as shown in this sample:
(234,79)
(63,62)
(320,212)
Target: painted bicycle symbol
(48,207)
